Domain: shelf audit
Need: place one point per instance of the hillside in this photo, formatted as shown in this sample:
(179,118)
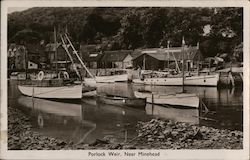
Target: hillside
(131,28)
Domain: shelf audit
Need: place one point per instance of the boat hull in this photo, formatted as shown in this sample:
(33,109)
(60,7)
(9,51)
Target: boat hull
(180,99)
(123,101)
(108,79)
(89,93)
(62,92)
(206,80)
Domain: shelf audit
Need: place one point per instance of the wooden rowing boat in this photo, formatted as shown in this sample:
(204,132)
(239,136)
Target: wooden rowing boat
(122,101)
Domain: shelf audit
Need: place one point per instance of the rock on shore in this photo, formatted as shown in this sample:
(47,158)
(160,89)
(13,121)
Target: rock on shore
(161,134)
(155,134)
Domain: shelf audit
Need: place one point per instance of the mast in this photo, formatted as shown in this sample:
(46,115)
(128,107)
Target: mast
(168,53)
(78,57)
(26,63)
(144,62)
(56,58)
(182,53)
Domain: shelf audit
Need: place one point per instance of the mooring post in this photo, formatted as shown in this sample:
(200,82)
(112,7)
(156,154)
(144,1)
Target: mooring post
(152,96)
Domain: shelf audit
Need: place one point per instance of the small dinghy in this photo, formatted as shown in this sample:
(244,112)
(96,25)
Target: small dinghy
(122,101)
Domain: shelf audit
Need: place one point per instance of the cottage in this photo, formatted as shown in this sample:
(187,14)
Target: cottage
(20,55)
(161,58)
(117,59)
(16,56)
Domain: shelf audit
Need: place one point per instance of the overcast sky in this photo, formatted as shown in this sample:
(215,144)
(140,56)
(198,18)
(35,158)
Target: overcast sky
(14,9)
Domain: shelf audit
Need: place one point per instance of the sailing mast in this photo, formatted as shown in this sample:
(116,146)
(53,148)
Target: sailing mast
(168,53)
(56,58)
(78,57)
(70,57)
(182,53)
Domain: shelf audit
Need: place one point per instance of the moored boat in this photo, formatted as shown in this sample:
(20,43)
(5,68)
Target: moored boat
(178,99)
(18,76)
(106,79)
(201,80)
(122,101)
(52,92)
(112,78)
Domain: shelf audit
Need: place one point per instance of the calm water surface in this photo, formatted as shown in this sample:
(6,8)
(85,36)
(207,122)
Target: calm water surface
(91,120)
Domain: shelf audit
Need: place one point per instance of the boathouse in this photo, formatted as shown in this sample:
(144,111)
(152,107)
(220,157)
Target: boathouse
(120,59)
(92,60)
(162,58)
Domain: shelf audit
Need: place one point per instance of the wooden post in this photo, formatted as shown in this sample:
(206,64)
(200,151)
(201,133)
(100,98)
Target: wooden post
(126,135)
(152,96)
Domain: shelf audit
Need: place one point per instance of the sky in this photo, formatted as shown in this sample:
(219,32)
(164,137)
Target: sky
(14,9)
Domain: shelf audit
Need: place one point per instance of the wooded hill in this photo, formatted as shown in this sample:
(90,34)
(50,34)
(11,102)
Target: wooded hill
(133,27)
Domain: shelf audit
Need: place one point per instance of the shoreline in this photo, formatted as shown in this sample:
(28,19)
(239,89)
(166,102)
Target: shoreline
(154,134)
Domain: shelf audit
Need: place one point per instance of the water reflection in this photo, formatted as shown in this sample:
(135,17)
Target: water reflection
(224,106)
(56,119)
(174,114)
(90,120)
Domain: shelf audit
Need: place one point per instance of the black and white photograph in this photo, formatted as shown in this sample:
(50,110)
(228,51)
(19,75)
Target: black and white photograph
(127,81)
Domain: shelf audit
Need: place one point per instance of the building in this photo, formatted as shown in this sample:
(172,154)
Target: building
(93,60)
(20,55)
(57,56)
(16,56)
(162,58)
(32,65)
(120,59)
(35,55)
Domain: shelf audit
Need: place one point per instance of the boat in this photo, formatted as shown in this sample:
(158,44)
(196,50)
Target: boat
(172,78)
(182,99)
(178,99)
(199,80)
(52,92)
(18,76)
(89,93)
(107,79)
(112,78)
(53,88)
(122,101)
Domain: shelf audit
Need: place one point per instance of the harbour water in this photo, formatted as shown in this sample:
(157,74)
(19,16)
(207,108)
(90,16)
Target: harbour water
(90,120)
